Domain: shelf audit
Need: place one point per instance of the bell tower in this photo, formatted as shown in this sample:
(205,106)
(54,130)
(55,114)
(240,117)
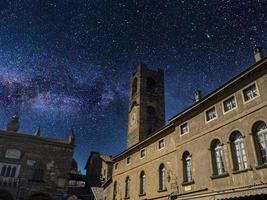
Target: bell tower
(146,111)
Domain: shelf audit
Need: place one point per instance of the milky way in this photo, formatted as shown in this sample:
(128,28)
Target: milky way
(67,63)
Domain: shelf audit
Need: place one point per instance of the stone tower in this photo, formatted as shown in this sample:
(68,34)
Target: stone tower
(146,111)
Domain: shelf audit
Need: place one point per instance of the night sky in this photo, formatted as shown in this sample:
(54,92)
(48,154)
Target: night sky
(67,63)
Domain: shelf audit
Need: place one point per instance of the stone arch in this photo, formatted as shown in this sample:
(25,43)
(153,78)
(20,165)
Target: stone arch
(5,195)
(40,196)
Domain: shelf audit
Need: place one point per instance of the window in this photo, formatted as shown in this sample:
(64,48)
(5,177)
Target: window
(151,85)
(116,166)
(250,92)
(161,144)
(142,153)
(217,157)
(115,191)
(229,104)
(211,114)
(162,177)
(142,183)
(259,131)
(3,171)
(152,118)
(238,151)
(184,128)
(134,87)
(127,187)
(38,172)
(13,172)
(8,171)
(128,160)
(187,167)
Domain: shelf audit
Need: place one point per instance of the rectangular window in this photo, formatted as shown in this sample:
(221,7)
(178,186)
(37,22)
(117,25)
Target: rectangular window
(161,144)
(142,153)
(229,104)
(128,160)
(250,92)
(116,166)
(184,128)
(211,114)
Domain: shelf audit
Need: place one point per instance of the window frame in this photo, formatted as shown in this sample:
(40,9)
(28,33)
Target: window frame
(158,144)
(228,98)
(188,129)
(142,150)
(246,87)
(116,166)
(162,177)
(206,111)
(142,180)
(128,160)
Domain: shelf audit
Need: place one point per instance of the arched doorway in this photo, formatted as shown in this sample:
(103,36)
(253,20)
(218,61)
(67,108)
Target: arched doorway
(5,195)
(40,196)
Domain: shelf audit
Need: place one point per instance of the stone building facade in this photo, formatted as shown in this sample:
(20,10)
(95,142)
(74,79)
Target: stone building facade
(32,166)
(215,149)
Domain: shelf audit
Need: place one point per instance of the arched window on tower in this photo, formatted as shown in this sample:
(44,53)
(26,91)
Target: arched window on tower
(134,86)
(142,183)
(152,119)
(187,167)
(150,85)
(8,171)
(238,151)
(259,131)
(217,157)
(162,177)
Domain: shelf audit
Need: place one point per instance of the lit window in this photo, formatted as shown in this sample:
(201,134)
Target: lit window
(187,167)
(217,157)
(128,160)
(250,92)
(127,187)
(142,153)
(211,114)
(161,144)
(238,151)
(184,128)
(260,134)
(229,104)
(142,182)
(162,177)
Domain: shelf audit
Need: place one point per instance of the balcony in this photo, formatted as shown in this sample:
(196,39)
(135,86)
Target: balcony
(8,181)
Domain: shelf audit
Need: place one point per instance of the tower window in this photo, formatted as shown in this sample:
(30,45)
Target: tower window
(151,85)
(134,87)
(152,119)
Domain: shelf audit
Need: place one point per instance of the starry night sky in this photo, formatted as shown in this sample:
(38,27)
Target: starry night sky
(67,63)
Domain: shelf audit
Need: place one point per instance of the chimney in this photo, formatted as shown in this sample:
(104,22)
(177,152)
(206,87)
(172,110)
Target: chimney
(258,54)
(198,95)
